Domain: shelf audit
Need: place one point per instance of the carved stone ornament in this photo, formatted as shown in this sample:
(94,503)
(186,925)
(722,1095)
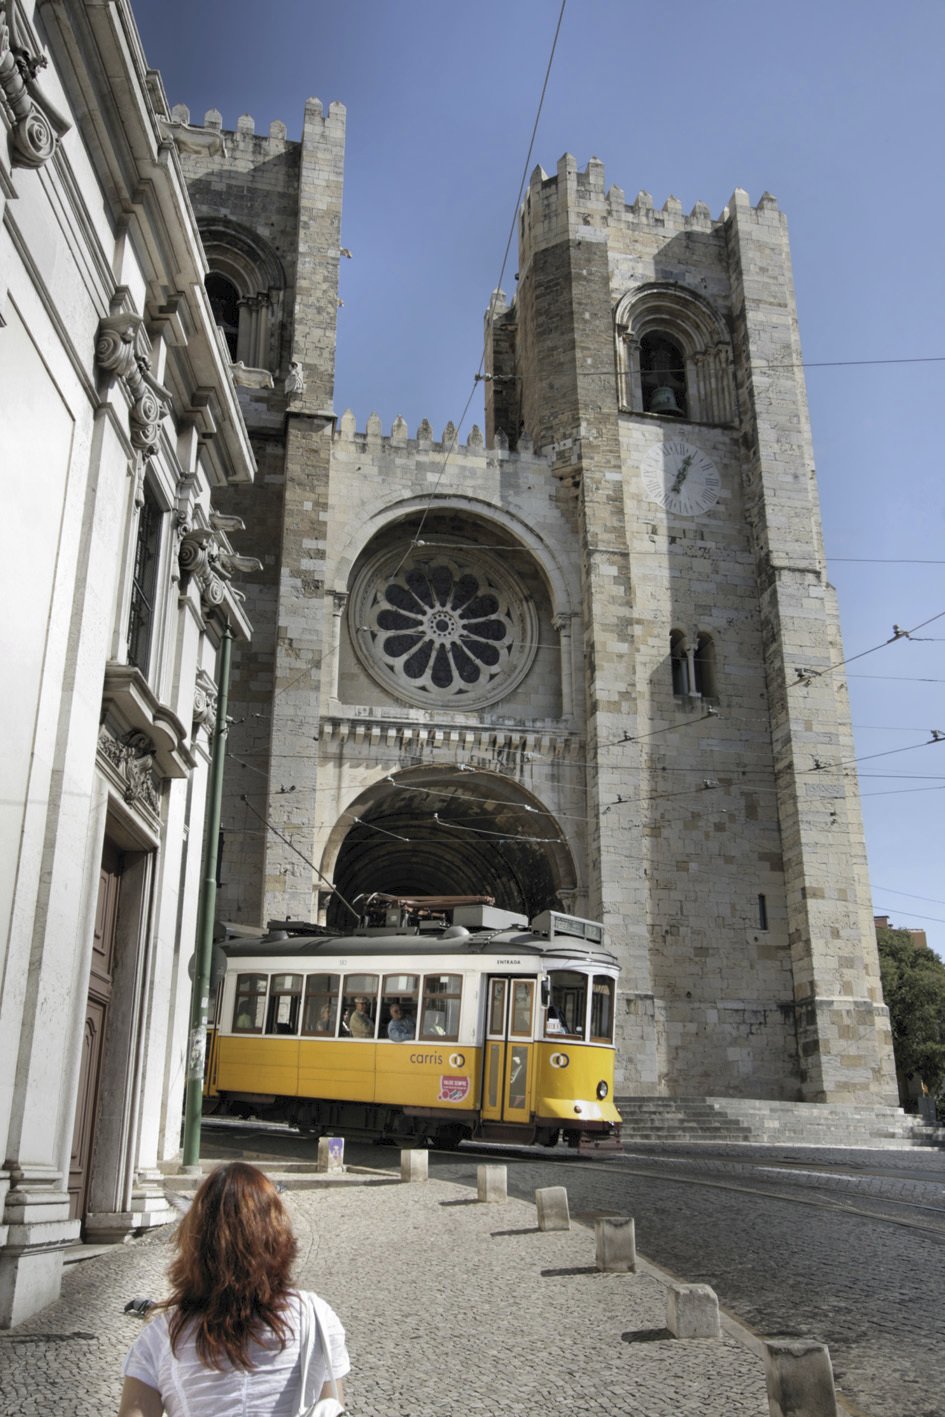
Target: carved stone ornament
(248,378)
(205,702)
(202,142)
(121,349)
(132,756)
(37,126)
(294,380)
(206,558)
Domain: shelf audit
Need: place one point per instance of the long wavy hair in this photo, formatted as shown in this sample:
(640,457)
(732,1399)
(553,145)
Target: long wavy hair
(231,1276)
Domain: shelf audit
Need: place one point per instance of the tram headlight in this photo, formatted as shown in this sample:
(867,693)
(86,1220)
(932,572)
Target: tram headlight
(602,1090)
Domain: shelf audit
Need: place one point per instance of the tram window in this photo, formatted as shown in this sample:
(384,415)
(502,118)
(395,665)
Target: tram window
(250,1007)
(359,1006)
(568,1004)
(518,1078)
(602,1009)
(320,1012)
(441,1000)
(399,1007)
(523,995)
(497,1007)
(285,996)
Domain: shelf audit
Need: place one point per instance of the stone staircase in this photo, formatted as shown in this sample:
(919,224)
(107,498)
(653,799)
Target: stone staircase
(751,1121)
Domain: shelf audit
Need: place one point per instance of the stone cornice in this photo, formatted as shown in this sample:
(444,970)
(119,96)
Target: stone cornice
(130,702)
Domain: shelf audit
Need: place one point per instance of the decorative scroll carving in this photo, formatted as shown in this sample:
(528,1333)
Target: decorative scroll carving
(37,126)
(206,558)
(205,703)
(132,756)
(121,349)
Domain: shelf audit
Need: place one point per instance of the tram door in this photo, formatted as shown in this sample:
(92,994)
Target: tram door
(507,1067)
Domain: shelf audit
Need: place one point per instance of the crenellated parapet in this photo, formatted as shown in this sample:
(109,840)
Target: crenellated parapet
(570,200)
(211,139)
(398,441)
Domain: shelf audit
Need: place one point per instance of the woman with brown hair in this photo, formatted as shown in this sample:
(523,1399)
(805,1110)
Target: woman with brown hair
(234,1337)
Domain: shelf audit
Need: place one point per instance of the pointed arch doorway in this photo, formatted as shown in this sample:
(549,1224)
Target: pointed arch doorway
(449,831)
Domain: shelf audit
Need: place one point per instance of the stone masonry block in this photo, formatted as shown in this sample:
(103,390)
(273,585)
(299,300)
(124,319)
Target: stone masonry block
(692,1311)
(552,1205)
(799,1377)
(616,1244)
(493,1184)
(331,1153)
(414,1165)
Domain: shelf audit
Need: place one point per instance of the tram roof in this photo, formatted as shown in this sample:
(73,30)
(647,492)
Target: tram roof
(413,944)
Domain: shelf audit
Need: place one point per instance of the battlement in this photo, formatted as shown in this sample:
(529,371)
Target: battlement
(244,133)
(570,199)
(398,441)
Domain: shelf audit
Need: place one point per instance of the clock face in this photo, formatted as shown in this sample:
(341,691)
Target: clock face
(681,478)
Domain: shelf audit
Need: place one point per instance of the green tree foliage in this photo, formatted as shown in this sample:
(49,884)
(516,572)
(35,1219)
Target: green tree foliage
(914,989)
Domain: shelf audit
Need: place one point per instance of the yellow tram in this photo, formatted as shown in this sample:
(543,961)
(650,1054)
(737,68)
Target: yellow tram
(440,1018)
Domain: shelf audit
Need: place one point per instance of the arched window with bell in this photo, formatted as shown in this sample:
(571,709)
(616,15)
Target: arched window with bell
(663,376)
(674,356)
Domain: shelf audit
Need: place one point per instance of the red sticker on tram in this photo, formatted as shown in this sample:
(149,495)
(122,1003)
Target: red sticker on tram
(453,1089)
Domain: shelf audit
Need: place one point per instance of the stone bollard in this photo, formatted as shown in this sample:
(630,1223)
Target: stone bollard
(552,1203)
(692,1311)
(616,1244)
(493,1184)
(331,1154)
(414,1165)
(799,1376)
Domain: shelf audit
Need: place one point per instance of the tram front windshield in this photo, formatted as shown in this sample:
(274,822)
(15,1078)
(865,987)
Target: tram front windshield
(566,1014)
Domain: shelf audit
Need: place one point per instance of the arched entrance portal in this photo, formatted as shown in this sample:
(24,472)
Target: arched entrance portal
(449,831)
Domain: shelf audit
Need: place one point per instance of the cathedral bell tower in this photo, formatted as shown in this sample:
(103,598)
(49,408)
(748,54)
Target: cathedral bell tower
(654,357)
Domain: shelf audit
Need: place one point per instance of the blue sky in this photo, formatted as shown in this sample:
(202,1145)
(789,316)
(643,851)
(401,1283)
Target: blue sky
(835,107)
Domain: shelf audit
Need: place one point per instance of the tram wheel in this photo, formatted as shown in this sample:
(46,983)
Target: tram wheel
(548,1136)
(449,1137)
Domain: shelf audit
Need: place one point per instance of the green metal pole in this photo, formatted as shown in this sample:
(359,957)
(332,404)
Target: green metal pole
(203,953)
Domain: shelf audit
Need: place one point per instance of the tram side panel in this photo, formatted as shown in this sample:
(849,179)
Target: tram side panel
(267,1054)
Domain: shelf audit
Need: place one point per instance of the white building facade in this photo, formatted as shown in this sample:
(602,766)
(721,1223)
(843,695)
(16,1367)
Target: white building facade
(118,423)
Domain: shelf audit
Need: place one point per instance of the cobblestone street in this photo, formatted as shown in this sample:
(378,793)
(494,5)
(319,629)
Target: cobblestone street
(452,1308)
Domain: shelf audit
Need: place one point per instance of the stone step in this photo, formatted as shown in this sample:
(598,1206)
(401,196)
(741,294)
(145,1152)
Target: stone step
(771,1122)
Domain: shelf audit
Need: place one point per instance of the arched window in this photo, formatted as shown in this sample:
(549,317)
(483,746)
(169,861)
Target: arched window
(225,304)
(246,287)
(704,667)
(663,376)
(693,670)
(679,660)
(674,355)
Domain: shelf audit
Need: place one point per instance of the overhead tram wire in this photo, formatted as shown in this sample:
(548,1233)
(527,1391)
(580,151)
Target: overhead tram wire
(477,378)
(807,676)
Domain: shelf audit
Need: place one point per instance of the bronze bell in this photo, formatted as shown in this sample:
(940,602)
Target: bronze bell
(663,400)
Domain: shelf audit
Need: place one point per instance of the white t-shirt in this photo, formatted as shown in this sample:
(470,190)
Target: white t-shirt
(270,1389)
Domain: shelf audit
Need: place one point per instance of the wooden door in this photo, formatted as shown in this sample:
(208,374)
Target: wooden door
(96,1019)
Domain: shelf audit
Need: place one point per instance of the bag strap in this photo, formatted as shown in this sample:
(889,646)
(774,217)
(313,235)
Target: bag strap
(311,1335)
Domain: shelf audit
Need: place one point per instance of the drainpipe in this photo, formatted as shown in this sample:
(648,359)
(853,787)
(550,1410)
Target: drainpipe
(203,954)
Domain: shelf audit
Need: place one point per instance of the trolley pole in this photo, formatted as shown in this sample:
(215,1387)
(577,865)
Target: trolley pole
(203,952)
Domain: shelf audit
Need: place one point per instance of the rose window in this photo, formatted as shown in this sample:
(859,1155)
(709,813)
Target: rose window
(443,629)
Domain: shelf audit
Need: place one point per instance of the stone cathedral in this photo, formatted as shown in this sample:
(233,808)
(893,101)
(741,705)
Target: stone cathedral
(582,660)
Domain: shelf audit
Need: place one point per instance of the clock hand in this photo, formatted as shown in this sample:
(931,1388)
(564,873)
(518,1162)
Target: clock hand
(682,473)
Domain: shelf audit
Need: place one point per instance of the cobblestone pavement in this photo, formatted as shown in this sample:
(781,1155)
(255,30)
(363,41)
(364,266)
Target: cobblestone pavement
(847,1248)
(452,1308)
